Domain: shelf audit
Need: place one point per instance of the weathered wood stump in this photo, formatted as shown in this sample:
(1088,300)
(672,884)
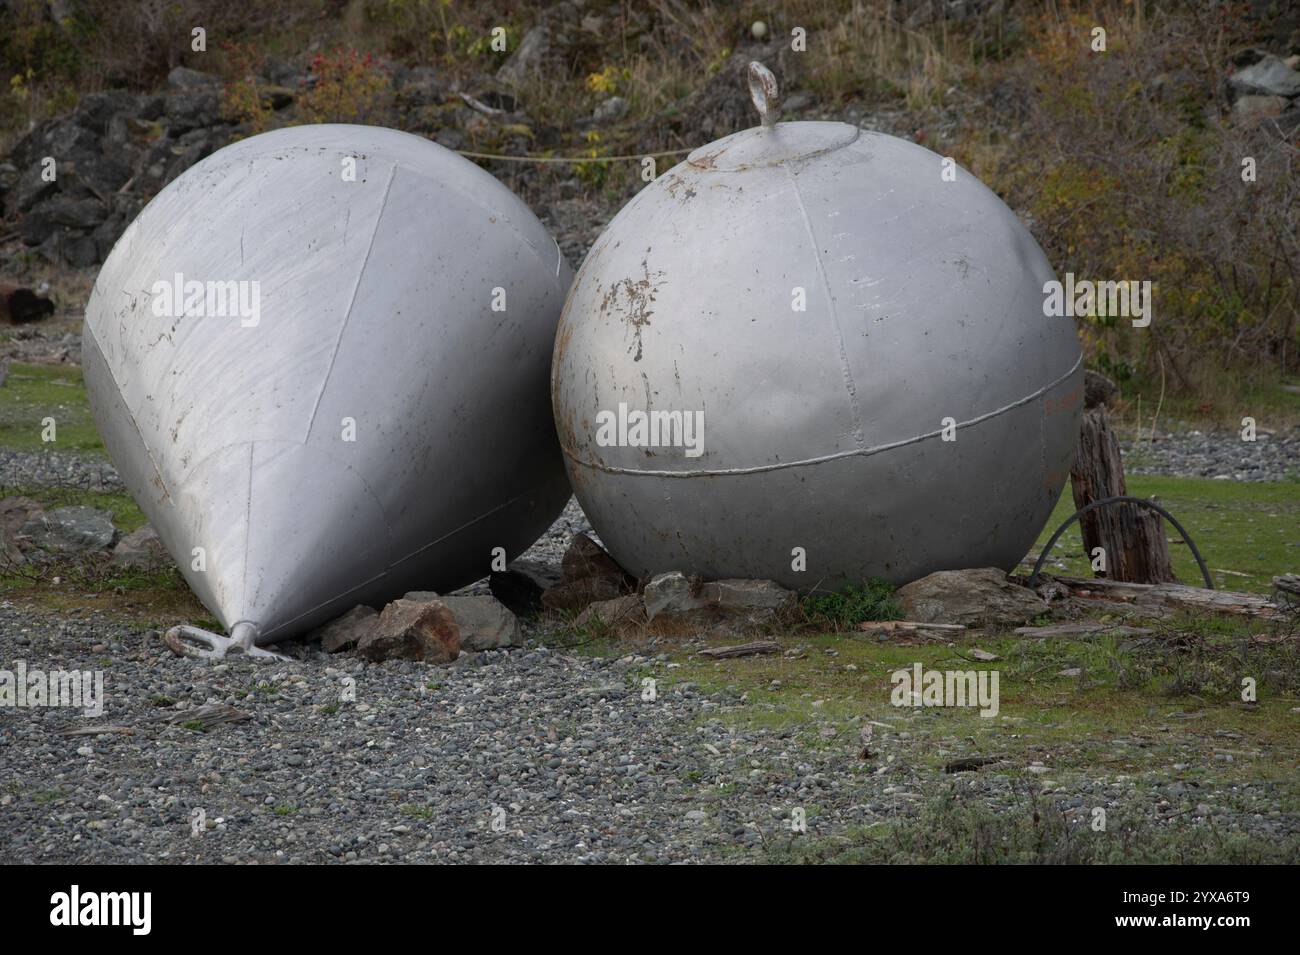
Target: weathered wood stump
(1133,537)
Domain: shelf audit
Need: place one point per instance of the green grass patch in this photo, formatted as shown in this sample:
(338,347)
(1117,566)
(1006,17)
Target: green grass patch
(1138,705)
(873,600)
(33,393)
(127,515)
(949,829)
(1250,529)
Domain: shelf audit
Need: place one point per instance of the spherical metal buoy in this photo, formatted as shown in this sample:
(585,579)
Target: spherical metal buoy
(319,360)
(815,354)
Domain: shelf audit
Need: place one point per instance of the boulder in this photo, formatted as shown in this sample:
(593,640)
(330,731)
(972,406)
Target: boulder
(983,596)
(621,613)
(412,630)
(587,574)
(1098,389)
(183,78)
(576,594)
(420,87)
(585,558)
(671,593)
(484,622)
(1249,110)
(345,632)
(527,59)
(69,530)
(8,176)
(192,110)
(747,595)
(59,213)
(675,604)
(521,585)
(94,176)
(15,512)
(280,72)
(276,97)
(1270,76)
(29,189)
(75,251)
(610,110)
(141,549)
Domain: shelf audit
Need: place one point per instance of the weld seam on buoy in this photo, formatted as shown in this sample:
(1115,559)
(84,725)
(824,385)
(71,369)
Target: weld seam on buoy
(806,462)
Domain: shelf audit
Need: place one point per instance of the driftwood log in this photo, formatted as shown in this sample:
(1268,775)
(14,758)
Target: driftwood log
(1132,537)
(742,650)
(1173,597)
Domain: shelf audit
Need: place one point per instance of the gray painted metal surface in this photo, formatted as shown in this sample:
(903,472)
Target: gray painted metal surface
(823,429)
(374,308)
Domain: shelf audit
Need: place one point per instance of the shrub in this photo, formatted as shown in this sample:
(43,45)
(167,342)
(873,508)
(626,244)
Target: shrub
(345,87)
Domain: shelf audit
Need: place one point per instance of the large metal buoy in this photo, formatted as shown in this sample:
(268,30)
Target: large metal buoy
(319,361)
(815,354)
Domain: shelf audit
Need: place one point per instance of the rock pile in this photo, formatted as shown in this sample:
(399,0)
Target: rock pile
(1266,90)
(29,533)
(423,626)
(74,183)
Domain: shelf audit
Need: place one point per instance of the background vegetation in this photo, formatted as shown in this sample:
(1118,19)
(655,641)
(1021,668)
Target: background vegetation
(1126,164)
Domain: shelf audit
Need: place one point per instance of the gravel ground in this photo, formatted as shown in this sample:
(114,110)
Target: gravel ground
(560,750)
(93,472)
(550,547)
(1217,454)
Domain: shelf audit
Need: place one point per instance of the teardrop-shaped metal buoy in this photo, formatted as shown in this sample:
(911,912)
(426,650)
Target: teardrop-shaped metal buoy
(319,360)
